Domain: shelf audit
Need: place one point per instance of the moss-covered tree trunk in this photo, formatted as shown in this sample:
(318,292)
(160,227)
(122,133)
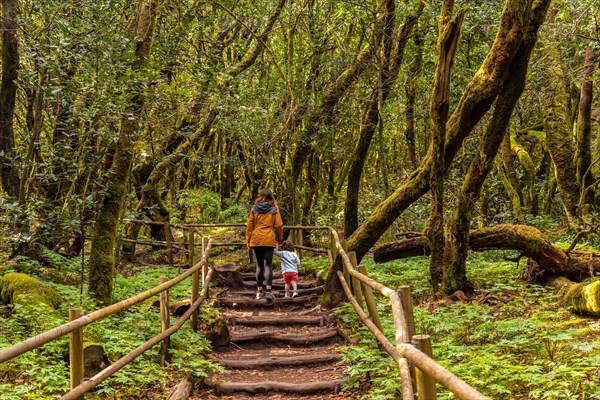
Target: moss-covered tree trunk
(583,154)
(475,101)
(448,36)
(102,256)
(559,138)
(581,298)
(459,222)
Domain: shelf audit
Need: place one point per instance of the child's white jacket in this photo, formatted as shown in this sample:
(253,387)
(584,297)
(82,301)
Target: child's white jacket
(290,262)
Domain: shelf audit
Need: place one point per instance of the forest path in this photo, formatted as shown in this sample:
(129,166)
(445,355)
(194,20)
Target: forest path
(280,349)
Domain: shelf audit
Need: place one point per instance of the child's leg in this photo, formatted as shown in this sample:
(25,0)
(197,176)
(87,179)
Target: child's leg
(295,285)
(287,288)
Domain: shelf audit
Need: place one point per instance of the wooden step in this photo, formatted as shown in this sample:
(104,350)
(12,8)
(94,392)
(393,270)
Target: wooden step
(280,291)
(278,301)
(279,284)
(271,386)
(278,361)
(276,320)
(292,338)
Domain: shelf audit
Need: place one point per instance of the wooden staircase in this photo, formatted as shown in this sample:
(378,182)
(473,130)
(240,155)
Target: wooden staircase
(280,349)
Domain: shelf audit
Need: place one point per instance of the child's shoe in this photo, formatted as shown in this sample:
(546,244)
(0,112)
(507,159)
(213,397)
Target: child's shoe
(294,293)
(286,294)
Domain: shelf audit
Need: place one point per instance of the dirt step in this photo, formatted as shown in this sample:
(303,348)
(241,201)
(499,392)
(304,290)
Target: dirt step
(272,386)
(278,361)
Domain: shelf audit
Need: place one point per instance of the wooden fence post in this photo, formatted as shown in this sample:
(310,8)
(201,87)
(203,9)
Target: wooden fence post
(168,237)
(370,300)
(300,243)
(332,245)
(205,266)
(191,246)
(356,286)
(195,290)
(425,383)
(164,323)
(76,351)
(407,307)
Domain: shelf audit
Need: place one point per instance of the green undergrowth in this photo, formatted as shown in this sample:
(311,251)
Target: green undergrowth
(44,372)
(512,341)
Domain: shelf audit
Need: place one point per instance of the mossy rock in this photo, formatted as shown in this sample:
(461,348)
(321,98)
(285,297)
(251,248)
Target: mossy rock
(18,288)
(584,298)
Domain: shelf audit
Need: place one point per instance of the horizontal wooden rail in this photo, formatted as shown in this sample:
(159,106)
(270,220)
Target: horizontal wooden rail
(450,381)
(116,366)
(48,336)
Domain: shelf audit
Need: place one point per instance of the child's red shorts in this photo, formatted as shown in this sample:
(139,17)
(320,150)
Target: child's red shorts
(290,276)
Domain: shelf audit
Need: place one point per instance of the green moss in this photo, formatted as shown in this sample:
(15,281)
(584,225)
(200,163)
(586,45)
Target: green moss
(18,288)
(584,298)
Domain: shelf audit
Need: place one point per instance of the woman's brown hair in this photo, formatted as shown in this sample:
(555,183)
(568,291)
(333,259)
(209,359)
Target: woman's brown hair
(266,196)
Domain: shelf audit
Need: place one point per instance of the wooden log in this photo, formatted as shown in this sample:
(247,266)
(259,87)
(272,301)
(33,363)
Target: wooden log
(278,361)
(580,298)
(94,359)
(529,241)
(300,339)
(216,331)
(270,386)
(228,275)
(180,307)
(182,391)
(280,320)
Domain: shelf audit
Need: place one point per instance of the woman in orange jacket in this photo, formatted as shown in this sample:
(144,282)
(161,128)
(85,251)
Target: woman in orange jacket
(263,231)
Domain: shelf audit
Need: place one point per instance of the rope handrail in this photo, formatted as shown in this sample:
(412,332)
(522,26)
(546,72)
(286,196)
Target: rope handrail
(54,333)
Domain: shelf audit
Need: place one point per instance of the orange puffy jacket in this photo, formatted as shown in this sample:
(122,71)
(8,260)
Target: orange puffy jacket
(265,227)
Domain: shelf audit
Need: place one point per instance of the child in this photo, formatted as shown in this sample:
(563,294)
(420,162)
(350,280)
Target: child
(289,266)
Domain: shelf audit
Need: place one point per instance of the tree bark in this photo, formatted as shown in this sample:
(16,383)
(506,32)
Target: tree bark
(558,139)
(102,256)
(449,34)
(9,174)
(583,155)
(457,229)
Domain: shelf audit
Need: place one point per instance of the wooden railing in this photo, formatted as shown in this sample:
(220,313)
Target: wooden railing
(427,371)
(409,348)
(79,321)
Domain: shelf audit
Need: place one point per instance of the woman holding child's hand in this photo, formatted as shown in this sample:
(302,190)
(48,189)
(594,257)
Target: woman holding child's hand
(263,231)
